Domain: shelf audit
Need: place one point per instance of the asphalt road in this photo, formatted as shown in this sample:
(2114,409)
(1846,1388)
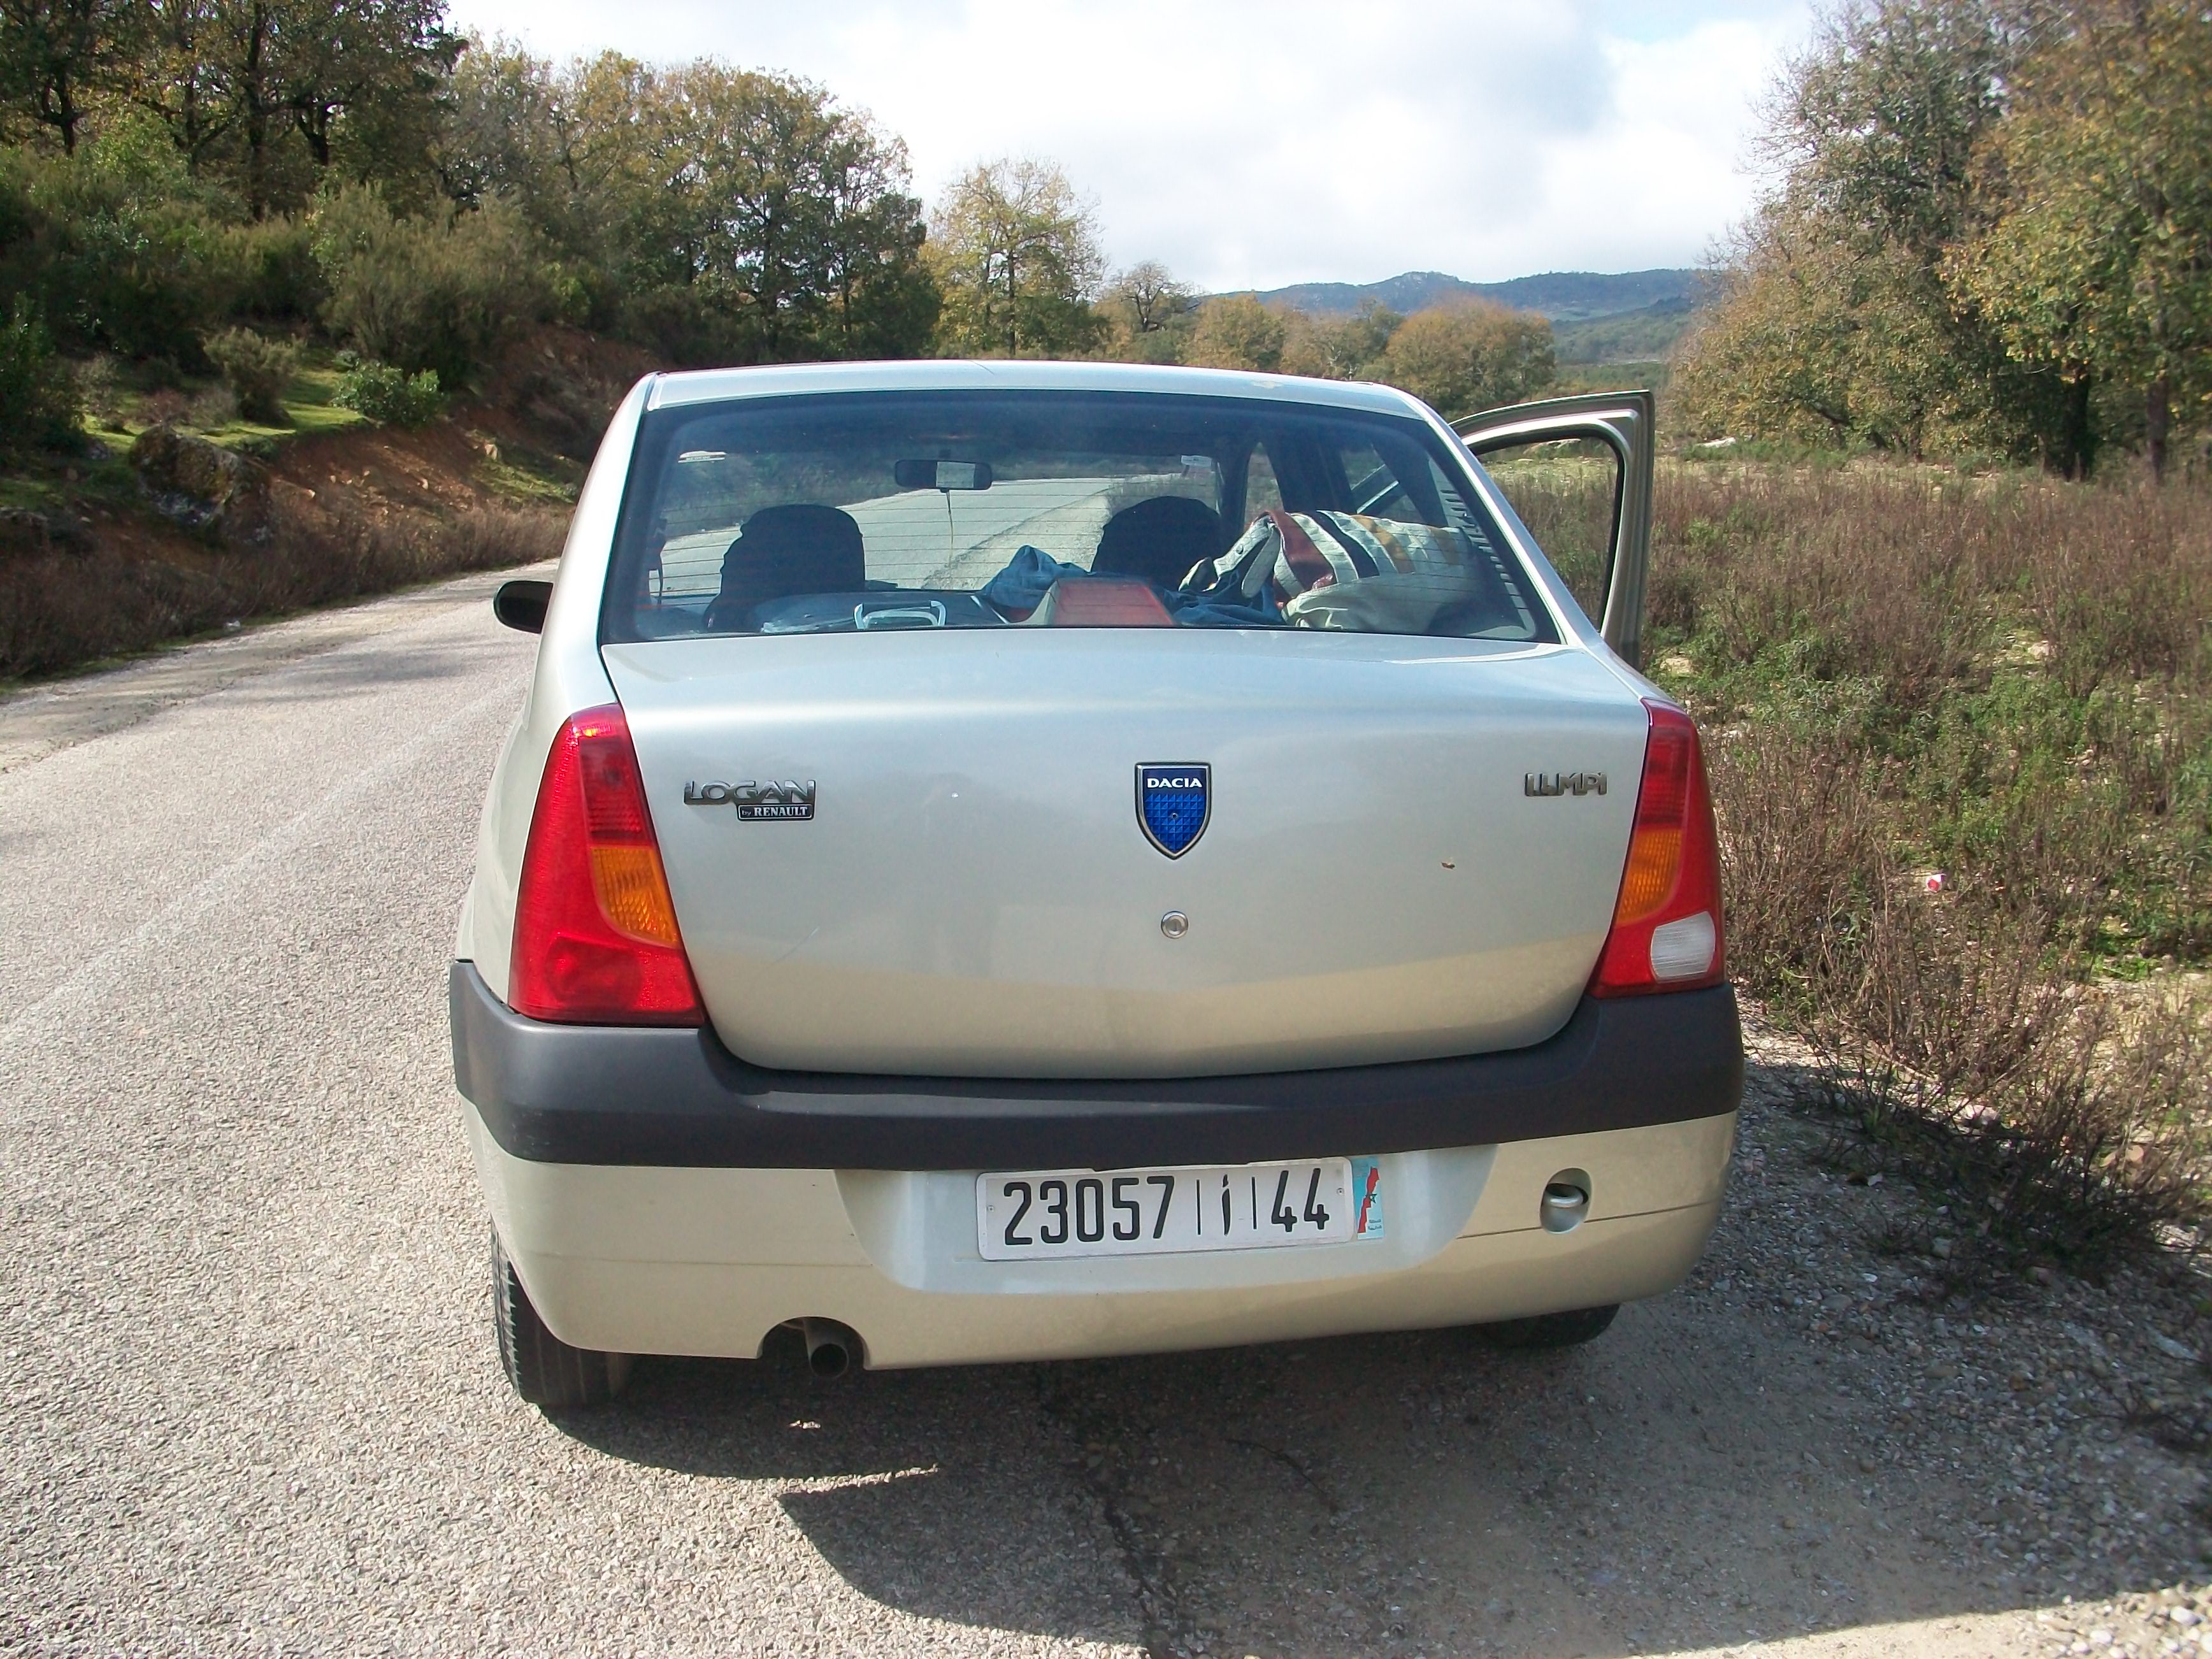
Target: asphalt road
(249,1401)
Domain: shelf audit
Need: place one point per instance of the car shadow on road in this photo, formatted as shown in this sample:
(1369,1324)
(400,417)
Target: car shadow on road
(349,673)
(1678,1483)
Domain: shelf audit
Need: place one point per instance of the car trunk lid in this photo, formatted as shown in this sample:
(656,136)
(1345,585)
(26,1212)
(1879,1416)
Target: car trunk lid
(1411,849)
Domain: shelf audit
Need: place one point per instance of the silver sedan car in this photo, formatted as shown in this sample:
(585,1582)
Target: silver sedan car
(1013,860)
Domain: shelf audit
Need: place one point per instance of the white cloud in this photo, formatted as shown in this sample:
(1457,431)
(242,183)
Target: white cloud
(1300,140)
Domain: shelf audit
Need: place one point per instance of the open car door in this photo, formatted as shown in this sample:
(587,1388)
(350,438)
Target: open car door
(1578,472)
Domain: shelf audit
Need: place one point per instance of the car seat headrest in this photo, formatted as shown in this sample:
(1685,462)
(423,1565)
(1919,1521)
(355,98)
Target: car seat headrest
(1159,540)
(782,551)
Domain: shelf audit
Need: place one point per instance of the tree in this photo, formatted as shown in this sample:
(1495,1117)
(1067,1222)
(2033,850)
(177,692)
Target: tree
(1833,321)
(56,54)
(1151,296)
(361,55)
(883,301)
(1148,314)
(790,215)
(1340,347)
(180,84)
(722,215)
(589,152)
(1459,359)
(800,198)
(1015,252)
(1875,126)
(1237,332)
(1811,340)
(2100,263)
(237,81)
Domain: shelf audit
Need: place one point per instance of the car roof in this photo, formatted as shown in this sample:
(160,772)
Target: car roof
(936,374)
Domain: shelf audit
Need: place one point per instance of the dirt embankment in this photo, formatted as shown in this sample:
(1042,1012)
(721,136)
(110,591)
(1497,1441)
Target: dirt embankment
(107,558)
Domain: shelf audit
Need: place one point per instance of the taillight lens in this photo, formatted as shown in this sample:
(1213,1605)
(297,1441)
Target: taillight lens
(595,935)
(1667,922)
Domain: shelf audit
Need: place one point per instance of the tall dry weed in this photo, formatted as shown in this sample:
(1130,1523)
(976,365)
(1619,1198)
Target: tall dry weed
(60,611)
(2005,680)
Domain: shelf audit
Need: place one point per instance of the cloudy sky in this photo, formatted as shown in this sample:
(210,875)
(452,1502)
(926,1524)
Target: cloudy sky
(1257,144)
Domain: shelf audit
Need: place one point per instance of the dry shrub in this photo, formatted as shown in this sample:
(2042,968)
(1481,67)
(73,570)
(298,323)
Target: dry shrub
(1807,855)
(2124,591)
(2006,678)
(2088,1148)
(1916,577)
(58,611)
(1866,573)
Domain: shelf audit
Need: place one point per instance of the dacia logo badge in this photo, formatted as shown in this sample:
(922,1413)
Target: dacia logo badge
(757,803)
(1174,800)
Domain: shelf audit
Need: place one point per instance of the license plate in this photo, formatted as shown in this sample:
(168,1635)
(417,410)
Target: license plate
(1245,1207)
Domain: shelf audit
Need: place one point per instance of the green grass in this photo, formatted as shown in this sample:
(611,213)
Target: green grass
(306,404)
(35,495)
(528,478)
(307,401)
(49,483)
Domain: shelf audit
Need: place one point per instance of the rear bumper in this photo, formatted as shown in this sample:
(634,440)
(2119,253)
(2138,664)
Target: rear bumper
(702,1261)
(678,1099)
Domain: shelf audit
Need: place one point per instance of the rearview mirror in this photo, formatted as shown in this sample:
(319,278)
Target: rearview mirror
(521,603)
(942,475)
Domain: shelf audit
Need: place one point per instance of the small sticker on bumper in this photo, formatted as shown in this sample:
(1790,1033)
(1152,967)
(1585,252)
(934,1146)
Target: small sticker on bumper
(1367,1197)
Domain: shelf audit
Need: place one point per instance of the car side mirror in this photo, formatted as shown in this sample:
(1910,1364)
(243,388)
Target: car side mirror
(521,603)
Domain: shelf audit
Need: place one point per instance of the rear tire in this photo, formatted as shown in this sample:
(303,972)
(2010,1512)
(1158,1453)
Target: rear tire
(1556,1330)
(544,1370)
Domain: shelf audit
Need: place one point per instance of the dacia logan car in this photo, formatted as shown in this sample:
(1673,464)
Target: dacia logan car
(1015,861)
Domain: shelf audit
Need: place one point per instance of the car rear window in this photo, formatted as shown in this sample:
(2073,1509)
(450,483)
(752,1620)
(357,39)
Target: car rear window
(880,511)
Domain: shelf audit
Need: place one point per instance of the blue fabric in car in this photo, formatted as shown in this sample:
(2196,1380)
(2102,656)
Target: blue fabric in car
(1027,576)
(1228,609)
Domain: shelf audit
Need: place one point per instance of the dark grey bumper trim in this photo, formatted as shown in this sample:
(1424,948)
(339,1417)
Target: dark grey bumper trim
(586,1094)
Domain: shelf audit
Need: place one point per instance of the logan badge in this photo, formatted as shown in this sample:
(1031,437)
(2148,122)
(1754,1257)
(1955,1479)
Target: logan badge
(781,802)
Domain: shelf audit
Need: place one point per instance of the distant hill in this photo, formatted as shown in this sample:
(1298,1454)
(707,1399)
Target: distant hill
(1626,336)
(1565,296)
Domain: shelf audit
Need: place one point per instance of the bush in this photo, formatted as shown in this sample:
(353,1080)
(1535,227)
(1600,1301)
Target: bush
(101,388)
(277,278)
(389,395)
(39,406)
(437,294)
(2005,681)
(258,370)
(117,247)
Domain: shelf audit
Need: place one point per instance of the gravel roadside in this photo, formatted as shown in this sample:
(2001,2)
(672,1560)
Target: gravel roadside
(248,1401)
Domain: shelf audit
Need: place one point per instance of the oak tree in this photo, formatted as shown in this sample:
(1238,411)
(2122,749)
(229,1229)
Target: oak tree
(1015,252)
(2099,262)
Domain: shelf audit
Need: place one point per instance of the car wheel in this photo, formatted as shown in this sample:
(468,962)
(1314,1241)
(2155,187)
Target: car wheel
(1558,1330)
(544,1370)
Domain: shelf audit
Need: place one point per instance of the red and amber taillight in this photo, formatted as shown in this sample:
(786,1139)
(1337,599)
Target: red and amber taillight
(595,935)
(1667,922)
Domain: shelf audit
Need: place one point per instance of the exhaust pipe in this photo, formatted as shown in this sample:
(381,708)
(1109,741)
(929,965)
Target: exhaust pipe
(831,1348)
